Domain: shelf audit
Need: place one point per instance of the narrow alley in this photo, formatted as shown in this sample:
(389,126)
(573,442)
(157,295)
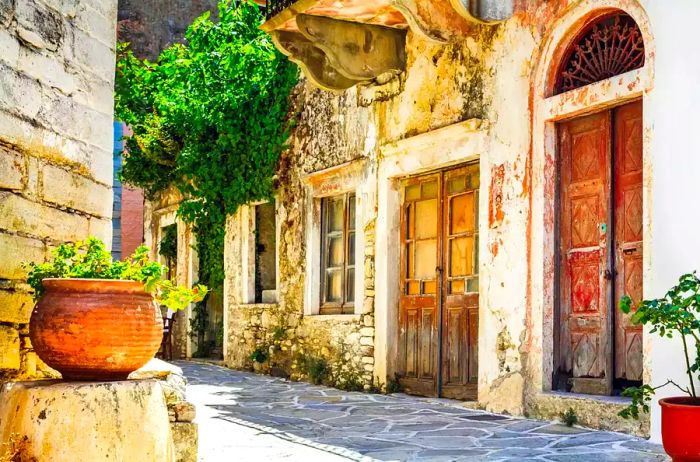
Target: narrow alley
(276,419)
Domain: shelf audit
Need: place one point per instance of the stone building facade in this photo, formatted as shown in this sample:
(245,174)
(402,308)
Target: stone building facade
(56,106)
(439,93)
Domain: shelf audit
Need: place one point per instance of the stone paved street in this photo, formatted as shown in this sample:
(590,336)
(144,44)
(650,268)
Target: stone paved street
(244,416)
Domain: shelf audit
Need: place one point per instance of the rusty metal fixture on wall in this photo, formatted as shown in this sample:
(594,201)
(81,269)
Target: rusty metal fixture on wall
(89,329)
(612,45)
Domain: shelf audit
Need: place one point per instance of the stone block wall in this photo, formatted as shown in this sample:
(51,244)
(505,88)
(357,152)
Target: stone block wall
(56,106)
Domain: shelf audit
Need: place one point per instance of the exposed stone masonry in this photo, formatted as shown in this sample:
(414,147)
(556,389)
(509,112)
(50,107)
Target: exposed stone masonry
(56,98)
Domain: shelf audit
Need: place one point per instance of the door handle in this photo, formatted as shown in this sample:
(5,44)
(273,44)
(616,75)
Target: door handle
(610,274)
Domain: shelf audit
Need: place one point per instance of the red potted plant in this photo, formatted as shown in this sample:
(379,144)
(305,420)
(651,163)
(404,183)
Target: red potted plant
(674,314)
(98,319)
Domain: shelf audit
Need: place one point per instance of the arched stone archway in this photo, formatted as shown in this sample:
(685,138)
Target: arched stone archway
(549,108)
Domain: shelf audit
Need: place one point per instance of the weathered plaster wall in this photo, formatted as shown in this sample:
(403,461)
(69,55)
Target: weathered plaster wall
(498,74)
(56,84)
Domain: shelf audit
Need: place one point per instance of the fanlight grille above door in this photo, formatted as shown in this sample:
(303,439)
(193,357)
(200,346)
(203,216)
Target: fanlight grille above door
(612,45)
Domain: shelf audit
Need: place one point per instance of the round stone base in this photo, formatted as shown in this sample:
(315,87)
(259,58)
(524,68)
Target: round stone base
(60,421)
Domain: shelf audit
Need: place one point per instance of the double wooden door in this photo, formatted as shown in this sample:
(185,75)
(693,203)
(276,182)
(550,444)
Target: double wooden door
(600,253)
(439,305)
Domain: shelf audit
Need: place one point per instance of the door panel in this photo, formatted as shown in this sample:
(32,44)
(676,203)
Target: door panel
(601,237)
(628,237)
(460,294)
(418,320)
(585,313)
(438,315)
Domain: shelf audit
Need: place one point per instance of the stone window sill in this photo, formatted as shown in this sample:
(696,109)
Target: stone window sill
(258,306)
(334,317)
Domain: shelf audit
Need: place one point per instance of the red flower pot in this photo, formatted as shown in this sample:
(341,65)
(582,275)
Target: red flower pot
(680,421)
(93,329)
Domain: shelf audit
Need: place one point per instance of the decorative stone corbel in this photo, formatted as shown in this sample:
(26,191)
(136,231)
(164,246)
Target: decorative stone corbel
(312,61)
(359,52)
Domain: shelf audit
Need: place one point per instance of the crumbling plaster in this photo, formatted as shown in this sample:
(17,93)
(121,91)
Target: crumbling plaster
(501,75)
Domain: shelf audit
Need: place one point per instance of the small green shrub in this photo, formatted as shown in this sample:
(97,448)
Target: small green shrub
(259,355)
(90,259)
(279,333)
(569,418)
(394,385)
(317,369)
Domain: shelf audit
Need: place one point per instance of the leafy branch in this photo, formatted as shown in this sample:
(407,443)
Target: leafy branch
(676,313)
(89,259)
(209,118)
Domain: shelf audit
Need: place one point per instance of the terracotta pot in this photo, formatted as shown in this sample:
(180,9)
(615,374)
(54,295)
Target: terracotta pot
(94,329)
(680,420)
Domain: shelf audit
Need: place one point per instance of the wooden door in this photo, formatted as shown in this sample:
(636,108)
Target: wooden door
(585,314)
(627,184)
(418,313)
(438,316)
(460,320)
(601,236)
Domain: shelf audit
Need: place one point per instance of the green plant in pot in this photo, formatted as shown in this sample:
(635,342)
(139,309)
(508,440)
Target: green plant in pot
(96,318)
(674,315)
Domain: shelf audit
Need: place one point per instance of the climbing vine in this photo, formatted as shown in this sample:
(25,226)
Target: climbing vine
(209,118)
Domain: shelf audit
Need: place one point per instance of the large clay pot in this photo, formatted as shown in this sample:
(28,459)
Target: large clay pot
(93,329)
(680,420)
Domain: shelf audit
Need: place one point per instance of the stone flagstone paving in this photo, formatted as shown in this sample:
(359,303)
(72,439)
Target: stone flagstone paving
(365,427)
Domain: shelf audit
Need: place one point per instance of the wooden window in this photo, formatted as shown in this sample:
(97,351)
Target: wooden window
(338,254)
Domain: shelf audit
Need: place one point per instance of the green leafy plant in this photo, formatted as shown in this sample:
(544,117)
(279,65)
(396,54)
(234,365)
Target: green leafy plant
(259,355)
(210,118)
(569,418)
(394,385)
(89,259)
(675,314)
(168,244)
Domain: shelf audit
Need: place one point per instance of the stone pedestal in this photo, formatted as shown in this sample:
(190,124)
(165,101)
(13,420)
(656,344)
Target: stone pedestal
(87,421)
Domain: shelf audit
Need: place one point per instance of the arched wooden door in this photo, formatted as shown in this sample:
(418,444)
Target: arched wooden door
(600,249)
(439,306)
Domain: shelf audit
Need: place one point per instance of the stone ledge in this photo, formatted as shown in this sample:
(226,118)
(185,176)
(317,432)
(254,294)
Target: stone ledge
(597,412)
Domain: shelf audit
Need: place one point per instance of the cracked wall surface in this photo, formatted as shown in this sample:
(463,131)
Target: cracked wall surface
(492,73)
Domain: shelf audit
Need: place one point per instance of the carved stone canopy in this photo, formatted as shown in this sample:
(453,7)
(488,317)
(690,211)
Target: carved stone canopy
(340,43)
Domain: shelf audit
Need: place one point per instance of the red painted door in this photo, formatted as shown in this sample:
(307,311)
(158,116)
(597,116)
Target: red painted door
(439,306)
(628,237)
(585,315)
(600,253)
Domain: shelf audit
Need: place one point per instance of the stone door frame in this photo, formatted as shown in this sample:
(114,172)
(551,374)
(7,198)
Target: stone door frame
(547,111)
(453,145)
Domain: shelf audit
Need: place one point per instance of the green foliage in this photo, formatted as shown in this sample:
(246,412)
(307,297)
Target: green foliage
(259,355)
(168,245)
(317,369)
(209,118)
(675,314)
(394,385)
(569,418)
(89,259)
(220,334)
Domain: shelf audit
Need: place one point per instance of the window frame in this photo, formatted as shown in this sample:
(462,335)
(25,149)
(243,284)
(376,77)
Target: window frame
(348,236)
(246,216)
